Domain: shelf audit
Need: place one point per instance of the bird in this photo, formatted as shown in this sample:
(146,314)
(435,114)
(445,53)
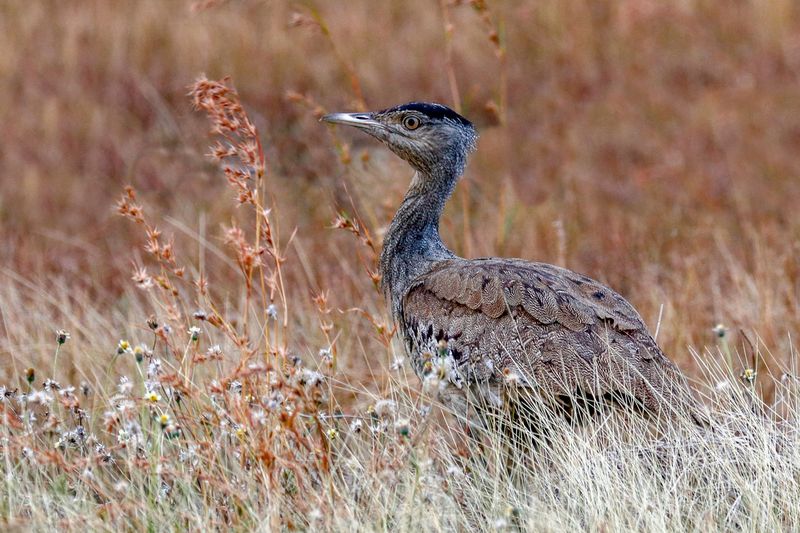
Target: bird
(484,327)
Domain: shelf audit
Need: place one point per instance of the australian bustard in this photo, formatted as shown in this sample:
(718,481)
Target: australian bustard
(493,322)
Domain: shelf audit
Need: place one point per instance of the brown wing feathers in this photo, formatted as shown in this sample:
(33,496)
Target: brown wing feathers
(546,293)
(542,319)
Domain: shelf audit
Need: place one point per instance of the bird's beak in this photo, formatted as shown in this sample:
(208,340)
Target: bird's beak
(359,120)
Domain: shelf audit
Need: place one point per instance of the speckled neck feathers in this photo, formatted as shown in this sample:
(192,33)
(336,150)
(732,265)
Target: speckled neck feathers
(412,245)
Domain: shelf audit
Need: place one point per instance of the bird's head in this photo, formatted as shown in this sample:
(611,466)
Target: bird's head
(428,136)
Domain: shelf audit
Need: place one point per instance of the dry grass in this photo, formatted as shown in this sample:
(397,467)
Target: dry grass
(650,145)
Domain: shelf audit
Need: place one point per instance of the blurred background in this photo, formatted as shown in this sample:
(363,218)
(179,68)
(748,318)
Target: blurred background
(651,145)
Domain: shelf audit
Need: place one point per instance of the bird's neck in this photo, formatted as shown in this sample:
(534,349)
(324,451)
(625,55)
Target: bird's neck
(412,245)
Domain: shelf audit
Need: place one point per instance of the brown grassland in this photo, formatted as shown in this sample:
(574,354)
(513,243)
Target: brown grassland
(652,145)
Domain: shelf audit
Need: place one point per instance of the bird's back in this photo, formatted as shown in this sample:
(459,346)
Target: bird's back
(538,326)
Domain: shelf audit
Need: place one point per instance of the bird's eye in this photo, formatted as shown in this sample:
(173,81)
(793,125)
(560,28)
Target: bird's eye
(411,123)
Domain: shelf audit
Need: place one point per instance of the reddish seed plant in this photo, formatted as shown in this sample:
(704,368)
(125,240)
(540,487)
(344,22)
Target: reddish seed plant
(273,404)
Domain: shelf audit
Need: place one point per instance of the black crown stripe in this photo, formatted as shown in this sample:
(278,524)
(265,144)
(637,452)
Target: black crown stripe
(435,111)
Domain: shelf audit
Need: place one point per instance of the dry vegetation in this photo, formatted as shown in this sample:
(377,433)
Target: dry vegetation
(229,361)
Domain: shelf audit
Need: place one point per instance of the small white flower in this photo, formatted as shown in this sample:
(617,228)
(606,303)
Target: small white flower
(258,417)
(431,383)
(123,346)
(123,436)
(500,523)
(310,378)
(511,377)
(152,397)
(749,375)
(275,400)
(398,363)
(51,385)
(125,385)
(165,489)
(720,331)
(403,427)
(40,397)
(356,425)
(62,336)
(214,351)
(272,311)
(194,332)
(385,408)
(142,279)
(154,368)
(126,406)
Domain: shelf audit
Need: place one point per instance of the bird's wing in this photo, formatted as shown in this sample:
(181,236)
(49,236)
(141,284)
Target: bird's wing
(555,329)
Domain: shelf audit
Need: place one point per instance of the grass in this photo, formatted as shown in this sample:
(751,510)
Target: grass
(230,363)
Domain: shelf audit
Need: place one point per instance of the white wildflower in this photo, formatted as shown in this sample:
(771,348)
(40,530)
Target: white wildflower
(511,378)
(51,385)
(123,346)
(125,385)
(258,417)
(720,331)
(62,336)
(430,383)
(310,378)
(125,406)
(41,397)
(142,279)
(152,397)
(154,368)
(385,408)
(403,427)
(500,523)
